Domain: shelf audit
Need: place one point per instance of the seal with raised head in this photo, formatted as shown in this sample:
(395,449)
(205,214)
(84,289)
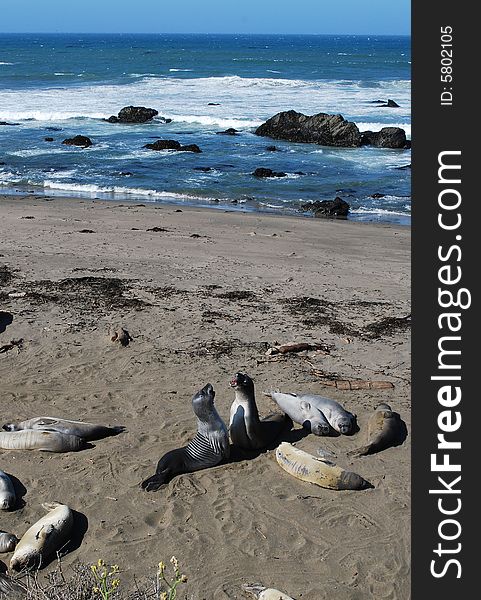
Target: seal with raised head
(44,538)
(208,448)
(247,430)
(302,412)
(385,429)
(87,431)
(340,419)
(7,492)
(38,439)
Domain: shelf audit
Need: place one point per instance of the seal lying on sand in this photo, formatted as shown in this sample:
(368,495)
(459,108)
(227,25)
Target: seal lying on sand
(339,419)
(208,448)
(88,431)
(8,541)
(7,492)
(33,439)
(44,538)
(247,431)
(320,471)
(385,428)
(262,593)
(302,412)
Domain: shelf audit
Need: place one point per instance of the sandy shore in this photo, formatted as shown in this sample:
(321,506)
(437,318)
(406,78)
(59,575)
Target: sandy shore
(204,296)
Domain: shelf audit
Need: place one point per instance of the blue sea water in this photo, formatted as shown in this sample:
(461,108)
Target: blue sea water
(61,85)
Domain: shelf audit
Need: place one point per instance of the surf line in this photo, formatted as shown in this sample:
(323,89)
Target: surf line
(452,299)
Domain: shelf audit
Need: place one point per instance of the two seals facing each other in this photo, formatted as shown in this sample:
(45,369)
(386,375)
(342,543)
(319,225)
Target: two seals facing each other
(208,448)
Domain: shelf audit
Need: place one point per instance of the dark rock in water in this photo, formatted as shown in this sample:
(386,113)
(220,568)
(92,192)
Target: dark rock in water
(271,149)
(164,145)
(299,173)
(53,128)
(125,174)
(262,172)
(5,123)
(190,148)
(230,131)
(172,145)
(390,104)
(377,102)
(48,139)
(135,114)
(377,195)
(78,140)
(203,169)
(214,104)
(323,129)
(403,167)
(388,137)
(334,209)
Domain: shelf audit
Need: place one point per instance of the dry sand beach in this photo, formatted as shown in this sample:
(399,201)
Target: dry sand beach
(204,293)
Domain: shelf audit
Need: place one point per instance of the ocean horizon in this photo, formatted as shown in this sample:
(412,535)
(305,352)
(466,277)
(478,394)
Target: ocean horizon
(61,85)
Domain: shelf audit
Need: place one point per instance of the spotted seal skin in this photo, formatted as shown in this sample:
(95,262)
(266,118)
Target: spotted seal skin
(385,429)
(247,430)
(8,497)
(32,439)
(87,431)
(208,448)
(44,538)
(340,419)
(302,412)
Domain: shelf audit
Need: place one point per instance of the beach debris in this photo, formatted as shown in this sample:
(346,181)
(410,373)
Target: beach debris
(12,589)
(8,541)
(8,497)
(298,347)
(46,537)
(79,140)
(262,593)
(121,335)
(86,231)
(12,344)
(332,380)
(157,229)
(319,471)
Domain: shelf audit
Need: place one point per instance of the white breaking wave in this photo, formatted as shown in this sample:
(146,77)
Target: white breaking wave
(241,99)
(377,211)
(6,63)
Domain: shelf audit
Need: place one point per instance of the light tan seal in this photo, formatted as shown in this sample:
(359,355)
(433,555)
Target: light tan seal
(32,439)
(385,429)
(44,538)
(263,593)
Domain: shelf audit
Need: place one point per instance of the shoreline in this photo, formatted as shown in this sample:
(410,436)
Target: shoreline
(204,293)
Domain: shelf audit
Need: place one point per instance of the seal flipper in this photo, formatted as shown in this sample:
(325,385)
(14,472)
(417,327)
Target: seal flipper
(152,484)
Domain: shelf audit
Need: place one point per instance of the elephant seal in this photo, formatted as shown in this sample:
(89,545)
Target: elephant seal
(319,471)
(44,538)
(7,492)
(33,439)
(247,431)
(8,541)
(262,593)
(339,419)
(302,412)
(385,429)
(208,448)
(88,431)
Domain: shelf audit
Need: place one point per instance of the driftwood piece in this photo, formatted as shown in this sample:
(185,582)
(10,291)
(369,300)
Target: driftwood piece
(351,384)
(11,345)
(297,347)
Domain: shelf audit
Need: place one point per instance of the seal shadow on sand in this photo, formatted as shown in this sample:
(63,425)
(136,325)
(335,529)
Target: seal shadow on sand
(291,436)
(20,492)
(6,319)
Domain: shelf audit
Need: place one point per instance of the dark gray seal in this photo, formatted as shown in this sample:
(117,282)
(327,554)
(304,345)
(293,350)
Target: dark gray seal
(247,431)
(385,429)
(208,448)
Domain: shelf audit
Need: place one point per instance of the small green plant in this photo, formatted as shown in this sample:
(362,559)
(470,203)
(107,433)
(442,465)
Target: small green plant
(171,583)
(105,581)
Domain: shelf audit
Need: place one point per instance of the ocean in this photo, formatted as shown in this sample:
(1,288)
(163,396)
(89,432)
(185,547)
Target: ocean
(59,85)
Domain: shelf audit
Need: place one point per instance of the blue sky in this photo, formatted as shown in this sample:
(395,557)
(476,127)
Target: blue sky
(207,16)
